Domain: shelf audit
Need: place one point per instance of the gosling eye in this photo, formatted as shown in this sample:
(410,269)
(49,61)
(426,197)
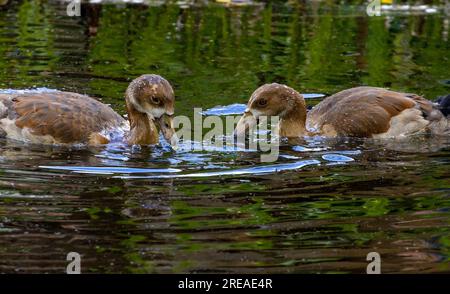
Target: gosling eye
(262,102)
(167,125)
(156,100)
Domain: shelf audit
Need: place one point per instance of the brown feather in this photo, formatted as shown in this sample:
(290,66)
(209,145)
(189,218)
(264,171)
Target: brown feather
(363,111)
(67,117)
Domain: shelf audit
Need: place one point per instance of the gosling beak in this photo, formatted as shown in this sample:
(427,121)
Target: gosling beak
(247,122)
(165,125)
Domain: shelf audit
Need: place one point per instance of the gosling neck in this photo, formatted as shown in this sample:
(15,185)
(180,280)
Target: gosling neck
(142,130)
(293,120)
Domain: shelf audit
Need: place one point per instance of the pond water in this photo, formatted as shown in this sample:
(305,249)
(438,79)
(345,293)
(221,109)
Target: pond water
(321,208)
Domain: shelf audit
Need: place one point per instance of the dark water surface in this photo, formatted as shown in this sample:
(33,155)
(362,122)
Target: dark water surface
(321,207)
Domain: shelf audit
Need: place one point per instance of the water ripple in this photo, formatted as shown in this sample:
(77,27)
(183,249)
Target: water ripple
(259,170)
(111,170)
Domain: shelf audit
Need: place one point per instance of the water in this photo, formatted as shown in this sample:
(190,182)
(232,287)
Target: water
(320,208)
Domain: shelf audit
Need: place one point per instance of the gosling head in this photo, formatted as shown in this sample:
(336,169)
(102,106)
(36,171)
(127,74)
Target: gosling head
(151,94)
(150,103)
(272,100)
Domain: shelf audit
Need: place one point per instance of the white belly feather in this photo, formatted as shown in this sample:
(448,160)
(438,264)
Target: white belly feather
(408,122)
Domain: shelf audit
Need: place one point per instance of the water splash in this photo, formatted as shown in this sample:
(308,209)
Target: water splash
(28,91)
(308,149)
(337,157)
(231,109)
